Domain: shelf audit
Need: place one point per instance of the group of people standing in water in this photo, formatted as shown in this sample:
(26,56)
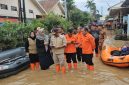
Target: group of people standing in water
(58,47)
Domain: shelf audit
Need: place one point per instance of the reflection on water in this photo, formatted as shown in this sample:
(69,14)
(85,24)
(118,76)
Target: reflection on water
(103,75)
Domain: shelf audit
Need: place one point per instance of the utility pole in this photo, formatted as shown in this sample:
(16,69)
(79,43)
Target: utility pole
(24,11)
(66,12)
(20,11)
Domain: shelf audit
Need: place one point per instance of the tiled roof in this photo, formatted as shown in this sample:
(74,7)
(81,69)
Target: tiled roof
(48,4)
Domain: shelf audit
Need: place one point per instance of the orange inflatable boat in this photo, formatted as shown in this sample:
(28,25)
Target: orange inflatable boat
(118,61)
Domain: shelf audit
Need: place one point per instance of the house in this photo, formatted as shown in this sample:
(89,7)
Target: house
(116,11)
(9,10)
(120,12)
(53,6)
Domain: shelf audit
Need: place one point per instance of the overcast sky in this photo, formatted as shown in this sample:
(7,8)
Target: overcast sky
(102,5)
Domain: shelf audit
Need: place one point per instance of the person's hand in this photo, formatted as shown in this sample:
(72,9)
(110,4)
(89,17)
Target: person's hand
(69,42)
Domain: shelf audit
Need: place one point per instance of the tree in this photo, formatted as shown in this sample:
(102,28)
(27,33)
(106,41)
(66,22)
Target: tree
(79,18)
(70,7)
(92,6)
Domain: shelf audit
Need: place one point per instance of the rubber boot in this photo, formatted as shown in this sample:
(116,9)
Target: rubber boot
(63,70)
(88,67)
(32,66)
(57,68)
(91,68)
(37,65)
(75,66)
(69,66)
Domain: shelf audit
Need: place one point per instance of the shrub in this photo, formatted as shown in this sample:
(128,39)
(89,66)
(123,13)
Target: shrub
(14,35)
(52,20)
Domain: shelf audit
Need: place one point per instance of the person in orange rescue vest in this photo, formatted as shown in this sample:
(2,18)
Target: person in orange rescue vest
(88,47)
(79,46)
(70,49)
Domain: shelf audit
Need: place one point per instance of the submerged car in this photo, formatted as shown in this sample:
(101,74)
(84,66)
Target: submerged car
(13,61)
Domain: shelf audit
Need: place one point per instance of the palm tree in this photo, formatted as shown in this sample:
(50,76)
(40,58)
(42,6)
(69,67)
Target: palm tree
(70,7)
(92,6)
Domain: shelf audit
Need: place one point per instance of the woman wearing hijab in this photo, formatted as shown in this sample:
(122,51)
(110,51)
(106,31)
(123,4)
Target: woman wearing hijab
(42,42)
(31,50)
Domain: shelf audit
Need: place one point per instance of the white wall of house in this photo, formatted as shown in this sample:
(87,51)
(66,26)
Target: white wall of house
(29,6)
(56,10)
(8,12)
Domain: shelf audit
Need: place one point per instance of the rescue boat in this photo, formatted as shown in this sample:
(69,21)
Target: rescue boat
(13,61)
(117,61)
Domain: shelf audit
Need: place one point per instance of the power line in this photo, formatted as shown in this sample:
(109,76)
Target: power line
(107,3)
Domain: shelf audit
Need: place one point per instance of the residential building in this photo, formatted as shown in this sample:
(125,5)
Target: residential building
(9,10)
(53,6)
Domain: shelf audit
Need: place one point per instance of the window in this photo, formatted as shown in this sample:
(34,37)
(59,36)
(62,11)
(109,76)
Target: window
(3,6)
(30,11)
(13,8)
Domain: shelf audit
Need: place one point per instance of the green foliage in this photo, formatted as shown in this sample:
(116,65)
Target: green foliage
(70,7)
(14,34)
(79,17)
(53,20)
(92,6)
(76,16)
(118,31)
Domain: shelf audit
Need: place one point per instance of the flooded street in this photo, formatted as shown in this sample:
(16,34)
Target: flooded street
(103,75)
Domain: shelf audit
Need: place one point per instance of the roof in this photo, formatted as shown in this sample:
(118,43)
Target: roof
(48,4)
(115,9)
(39,6)
(126,3)
(116,6)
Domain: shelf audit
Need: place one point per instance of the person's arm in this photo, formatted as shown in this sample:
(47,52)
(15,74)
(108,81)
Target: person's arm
(104,34)
(46,41)
(92,41)
(64,42)
(51,42)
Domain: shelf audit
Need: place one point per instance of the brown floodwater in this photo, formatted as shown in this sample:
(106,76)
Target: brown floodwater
(103,74)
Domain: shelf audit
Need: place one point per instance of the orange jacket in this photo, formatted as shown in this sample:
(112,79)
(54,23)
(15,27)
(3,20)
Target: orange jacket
(79,38)
(70,48)
(88,44)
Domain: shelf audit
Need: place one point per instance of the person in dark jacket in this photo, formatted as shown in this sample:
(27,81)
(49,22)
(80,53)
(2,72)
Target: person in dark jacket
(31,50)
(43,50)
(95,33)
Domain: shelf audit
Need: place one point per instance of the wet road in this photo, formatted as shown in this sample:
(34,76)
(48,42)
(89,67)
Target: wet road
(103,75)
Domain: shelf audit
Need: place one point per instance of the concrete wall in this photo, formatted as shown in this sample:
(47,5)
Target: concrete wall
(9,12)
(29,5)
